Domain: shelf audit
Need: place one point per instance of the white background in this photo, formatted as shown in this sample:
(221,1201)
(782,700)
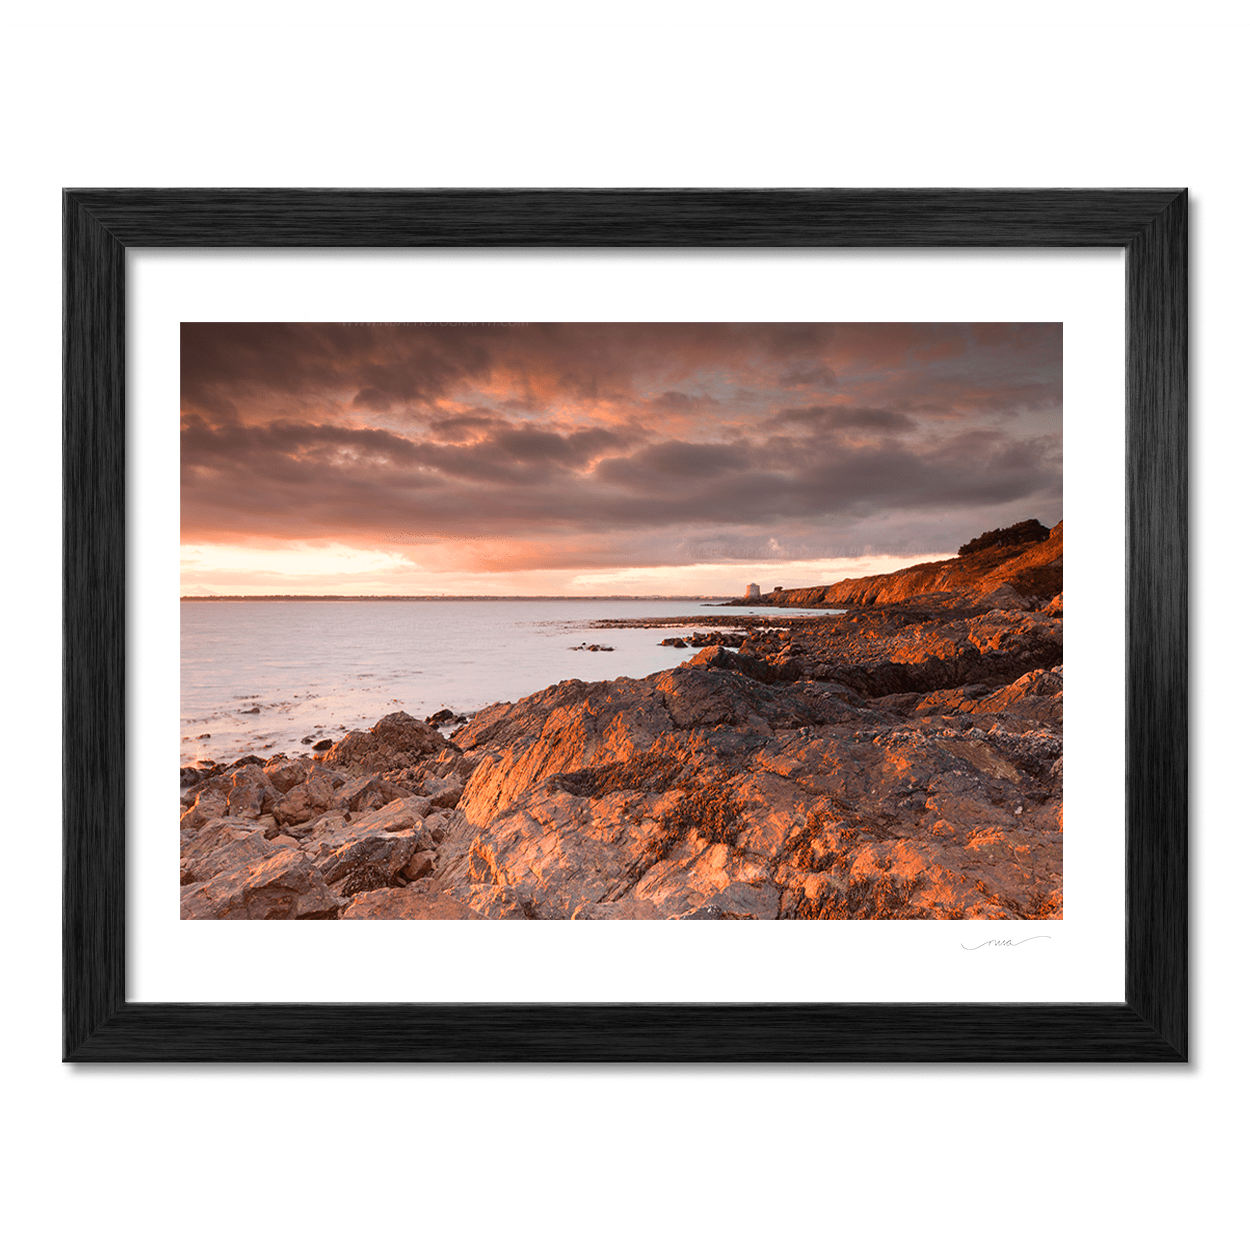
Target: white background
(1076,94)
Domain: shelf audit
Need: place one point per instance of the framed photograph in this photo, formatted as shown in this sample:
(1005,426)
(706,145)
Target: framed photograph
(872,750)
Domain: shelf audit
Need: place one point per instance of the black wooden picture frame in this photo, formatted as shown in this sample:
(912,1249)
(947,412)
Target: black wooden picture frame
(101,1026)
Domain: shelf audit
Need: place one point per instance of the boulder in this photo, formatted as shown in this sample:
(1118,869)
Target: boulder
(194,774)
(310,797)
(361,794)
(283,886)
(443,791)
(371,862)
(395,817)
(396,741)
(250,793)
(209,805)
(220,846)
(420,865)
(283,774)
(435,827)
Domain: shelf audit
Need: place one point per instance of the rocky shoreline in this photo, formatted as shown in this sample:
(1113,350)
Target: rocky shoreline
(900,761)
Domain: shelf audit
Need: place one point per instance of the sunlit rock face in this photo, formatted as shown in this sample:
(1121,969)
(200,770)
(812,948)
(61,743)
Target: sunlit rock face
(1022,566)
(795,801)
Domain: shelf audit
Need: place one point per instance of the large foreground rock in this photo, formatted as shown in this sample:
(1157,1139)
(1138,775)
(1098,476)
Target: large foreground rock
(701,793)
(577,725)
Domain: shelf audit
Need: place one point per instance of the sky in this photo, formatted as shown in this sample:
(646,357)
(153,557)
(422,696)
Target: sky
(599,459)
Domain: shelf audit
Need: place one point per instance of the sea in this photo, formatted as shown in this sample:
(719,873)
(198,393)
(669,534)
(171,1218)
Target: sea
(261,676)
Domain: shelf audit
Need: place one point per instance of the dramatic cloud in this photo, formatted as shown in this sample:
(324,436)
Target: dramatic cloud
(615,446)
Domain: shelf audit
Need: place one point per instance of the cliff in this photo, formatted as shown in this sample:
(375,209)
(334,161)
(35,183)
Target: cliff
(1022,573)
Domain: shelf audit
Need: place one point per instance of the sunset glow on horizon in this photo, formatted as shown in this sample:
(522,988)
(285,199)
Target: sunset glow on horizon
(595,459)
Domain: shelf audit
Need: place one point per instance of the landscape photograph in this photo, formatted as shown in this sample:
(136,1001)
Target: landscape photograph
(636,621)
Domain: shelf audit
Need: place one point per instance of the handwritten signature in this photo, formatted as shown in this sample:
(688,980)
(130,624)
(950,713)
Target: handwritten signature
(1005,941)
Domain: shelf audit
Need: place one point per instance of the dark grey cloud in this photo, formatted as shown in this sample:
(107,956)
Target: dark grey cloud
(674,402)
(830,417)
(809,375)
(655,466)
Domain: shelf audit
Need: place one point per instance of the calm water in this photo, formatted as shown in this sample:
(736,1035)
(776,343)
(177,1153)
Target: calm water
(319,669)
